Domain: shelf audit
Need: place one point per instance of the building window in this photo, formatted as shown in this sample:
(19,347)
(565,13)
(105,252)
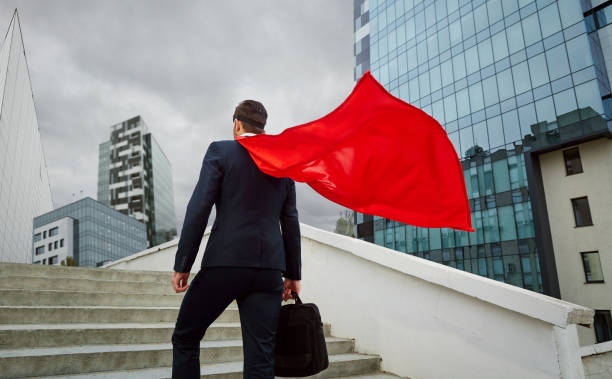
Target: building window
(40,249)
(53,231)
(50,246)
(62,242)
(37,262)
(603,325)
(592,267)
(37,237)
(44,261)
(44,234)
(55,245)
(582,212)
(53,260)
(573,164)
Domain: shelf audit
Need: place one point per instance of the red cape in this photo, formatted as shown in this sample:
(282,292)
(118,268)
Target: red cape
(375,154)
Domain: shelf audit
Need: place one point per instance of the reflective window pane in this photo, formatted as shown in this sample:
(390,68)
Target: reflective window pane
(550,20)
(495,11)
(558,65)
(545,110)
(524,220)
(527,118)
(522,82)
(471,60)
(500,46)
(489,87)
(579,53)
(485,52)
(490,225)
(531,29)
(481,18)
(512,129)
(588,97)
(446,69)
(476,99)
(565,104)
(507,228)
(481,137)
(463,103)
(505,85)
(592,267)
(467,141)
(538,70)
(459,66)
(515,38)
(496,134)
(450,109)
(501,176)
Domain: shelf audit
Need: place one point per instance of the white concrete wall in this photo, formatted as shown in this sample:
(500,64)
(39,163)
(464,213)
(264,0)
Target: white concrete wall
(425,319)
(568,240)
(597,360)
(65,227)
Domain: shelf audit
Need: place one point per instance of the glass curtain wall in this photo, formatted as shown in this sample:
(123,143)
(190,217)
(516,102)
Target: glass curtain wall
(494,74)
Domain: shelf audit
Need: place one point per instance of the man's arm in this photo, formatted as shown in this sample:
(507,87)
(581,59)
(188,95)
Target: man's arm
(290,228)
(198,209)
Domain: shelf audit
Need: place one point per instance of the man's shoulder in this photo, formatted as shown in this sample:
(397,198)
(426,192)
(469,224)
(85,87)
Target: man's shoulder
(224,146)
(225,143)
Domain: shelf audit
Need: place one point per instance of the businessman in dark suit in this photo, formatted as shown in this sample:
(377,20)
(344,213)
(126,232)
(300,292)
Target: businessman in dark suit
(246,257)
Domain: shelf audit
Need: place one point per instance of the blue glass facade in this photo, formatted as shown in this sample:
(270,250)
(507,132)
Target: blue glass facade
(501,77)
(100,233)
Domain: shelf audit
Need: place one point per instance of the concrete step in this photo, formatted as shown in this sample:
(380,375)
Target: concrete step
(80,284)
(366,366)
(340,365)
(46,271)
(56,335)
(14,314)
(376,375)
(78,298)
(92,358)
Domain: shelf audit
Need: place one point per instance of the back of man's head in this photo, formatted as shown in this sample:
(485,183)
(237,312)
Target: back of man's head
(252,114)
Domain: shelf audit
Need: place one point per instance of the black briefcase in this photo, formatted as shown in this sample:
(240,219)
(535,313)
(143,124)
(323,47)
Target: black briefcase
(300,341)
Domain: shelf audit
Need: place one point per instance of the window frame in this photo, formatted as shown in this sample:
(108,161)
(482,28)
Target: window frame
(579,160)
(574,211)
(604,312)
(586,279)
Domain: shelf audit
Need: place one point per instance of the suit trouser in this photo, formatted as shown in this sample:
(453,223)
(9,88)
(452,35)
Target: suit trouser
(258,293)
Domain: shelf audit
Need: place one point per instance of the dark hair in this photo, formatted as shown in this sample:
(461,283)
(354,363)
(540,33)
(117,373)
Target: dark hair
(252,114)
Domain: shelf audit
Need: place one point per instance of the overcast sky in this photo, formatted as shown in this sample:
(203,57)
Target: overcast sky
(183,66)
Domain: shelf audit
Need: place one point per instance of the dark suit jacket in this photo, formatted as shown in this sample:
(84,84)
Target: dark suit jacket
(250,206)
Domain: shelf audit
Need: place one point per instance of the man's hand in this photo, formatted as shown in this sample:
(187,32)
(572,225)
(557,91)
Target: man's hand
(179,281)
(290,285)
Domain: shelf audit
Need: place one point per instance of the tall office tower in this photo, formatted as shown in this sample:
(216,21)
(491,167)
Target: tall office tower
(522,90)
(24,183)
(135,178)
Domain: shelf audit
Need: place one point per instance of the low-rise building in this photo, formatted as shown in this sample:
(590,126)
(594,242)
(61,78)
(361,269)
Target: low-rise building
(88,231)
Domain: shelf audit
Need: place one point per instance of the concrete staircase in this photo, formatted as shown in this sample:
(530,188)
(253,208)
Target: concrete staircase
(76,322)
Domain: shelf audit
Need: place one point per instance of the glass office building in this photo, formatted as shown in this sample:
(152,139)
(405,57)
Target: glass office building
(506,79)
(100,233)
(24,182)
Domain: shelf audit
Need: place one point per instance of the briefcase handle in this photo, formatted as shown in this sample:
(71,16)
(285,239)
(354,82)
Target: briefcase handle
(296,297)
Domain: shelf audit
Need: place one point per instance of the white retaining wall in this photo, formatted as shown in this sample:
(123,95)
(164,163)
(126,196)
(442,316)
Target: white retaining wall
(425,319)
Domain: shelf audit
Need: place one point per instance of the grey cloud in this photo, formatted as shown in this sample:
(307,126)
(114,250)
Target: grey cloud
(183,66)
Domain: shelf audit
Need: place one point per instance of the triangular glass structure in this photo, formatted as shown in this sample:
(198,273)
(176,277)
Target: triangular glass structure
(24,182)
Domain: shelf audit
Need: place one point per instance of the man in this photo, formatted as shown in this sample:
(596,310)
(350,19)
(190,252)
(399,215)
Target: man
(246,257)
